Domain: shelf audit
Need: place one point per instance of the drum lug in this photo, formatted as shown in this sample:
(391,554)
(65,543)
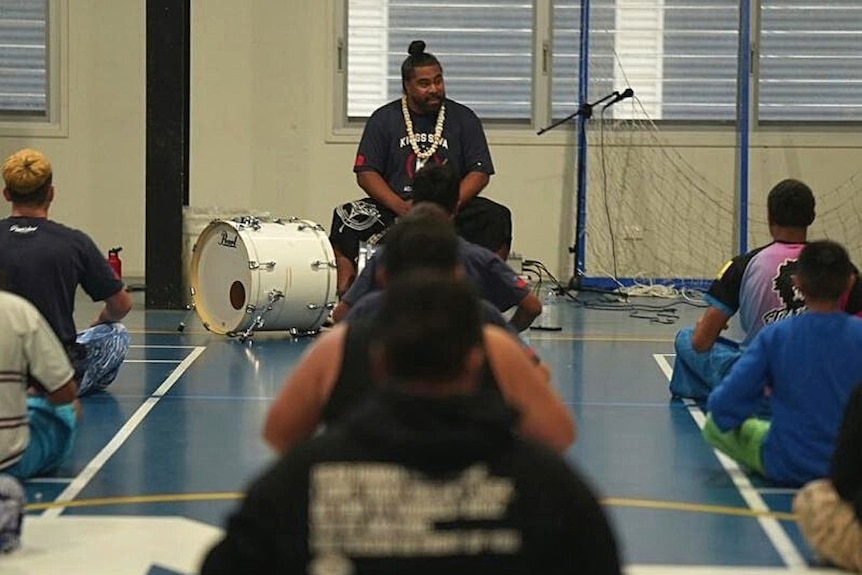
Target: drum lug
(317,264)
(274,296)
(309,226)
(253,265)
(248,222)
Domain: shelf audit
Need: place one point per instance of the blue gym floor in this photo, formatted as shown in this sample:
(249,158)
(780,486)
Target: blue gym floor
(163,456)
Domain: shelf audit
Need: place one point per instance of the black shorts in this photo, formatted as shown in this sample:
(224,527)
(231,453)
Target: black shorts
(358,221)
(481,221)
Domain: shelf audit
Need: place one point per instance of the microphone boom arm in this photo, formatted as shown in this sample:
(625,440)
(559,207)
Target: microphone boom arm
(585,110)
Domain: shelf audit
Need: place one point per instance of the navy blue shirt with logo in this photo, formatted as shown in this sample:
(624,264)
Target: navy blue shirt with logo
(385,148)
(496,281)
(44,262)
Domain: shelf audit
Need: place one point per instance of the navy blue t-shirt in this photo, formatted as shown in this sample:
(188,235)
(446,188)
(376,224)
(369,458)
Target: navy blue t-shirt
(44,262)
(371,304)
(385,148)
(495,280)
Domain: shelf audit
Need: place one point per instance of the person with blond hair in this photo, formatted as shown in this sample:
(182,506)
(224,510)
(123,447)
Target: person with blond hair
(45,261)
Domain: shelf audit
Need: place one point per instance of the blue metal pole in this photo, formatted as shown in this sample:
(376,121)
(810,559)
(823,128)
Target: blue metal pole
(744,118)
(583,94)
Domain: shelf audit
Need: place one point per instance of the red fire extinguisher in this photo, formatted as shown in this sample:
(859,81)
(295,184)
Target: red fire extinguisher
(115,262)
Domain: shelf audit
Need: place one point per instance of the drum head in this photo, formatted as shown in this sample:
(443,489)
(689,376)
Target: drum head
(220,277)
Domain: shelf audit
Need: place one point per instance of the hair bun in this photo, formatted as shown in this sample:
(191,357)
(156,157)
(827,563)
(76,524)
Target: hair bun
(416,47)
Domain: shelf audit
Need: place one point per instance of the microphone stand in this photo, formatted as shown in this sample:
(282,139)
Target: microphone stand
(586,112)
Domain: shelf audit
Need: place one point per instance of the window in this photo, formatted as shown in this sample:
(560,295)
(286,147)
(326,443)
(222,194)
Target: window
(681,57)
(678,56)
(24,58)
(810,60)
(485,49)
(32,67)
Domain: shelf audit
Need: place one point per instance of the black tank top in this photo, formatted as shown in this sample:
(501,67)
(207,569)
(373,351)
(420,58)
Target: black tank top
(354,379)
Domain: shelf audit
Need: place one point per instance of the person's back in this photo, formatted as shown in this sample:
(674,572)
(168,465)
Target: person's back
(757,285)
(426,476)
(438,185)
(814,360)
(809,364)
(38,431)
(45,262)
(829,510)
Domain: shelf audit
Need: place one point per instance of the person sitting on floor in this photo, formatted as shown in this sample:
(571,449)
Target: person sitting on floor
(808,364)
(495,280)
(334,374)
(758,286)
(37,429)
(829,510)
(425,476)
(45,262)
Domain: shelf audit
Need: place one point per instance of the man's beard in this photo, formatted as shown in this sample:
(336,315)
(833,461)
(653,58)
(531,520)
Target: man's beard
(430,105)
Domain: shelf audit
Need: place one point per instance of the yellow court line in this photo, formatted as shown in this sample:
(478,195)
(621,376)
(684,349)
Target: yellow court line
(133,499)
(228,496)
(696,508)
(602,338)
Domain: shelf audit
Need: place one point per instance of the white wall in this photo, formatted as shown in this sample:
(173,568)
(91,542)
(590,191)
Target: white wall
(261,136)
(99,164)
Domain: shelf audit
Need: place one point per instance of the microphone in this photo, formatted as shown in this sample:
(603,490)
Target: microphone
(627,93)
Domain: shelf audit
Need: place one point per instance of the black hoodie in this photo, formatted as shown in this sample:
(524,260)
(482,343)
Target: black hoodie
(416,485)
(846,463)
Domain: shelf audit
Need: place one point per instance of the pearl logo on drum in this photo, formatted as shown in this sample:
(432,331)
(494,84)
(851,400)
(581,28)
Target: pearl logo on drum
(227,242)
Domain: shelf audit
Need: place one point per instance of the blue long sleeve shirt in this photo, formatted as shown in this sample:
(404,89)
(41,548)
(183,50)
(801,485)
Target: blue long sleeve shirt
(811,362)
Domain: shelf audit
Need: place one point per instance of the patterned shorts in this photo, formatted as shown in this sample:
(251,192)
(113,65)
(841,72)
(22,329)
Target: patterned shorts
(829,524)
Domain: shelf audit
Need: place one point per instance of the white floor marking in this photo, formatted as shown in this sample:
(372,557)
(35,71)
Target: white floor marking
(772,527)
(93,467)
(151,361)
(110,545)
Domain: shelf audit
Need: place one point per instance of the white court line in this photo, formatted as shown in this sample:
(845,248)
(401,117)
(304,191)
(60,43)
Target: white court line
(151,361)
(83,478)
(771,526)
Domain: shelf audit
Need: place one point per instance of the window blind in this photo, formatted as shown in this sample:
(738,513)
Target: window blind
(810,60)
(485,48)
(23,57)
(679,57)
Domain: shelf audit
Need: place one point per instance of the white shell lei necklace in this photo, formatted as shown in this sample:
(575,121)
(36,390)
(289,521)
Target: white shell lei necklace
(422,155)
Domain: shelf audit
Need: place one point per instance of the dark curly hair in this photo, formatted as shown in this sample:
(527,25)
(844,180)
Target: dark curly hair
(791,204)
(822,270)
(438,184)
